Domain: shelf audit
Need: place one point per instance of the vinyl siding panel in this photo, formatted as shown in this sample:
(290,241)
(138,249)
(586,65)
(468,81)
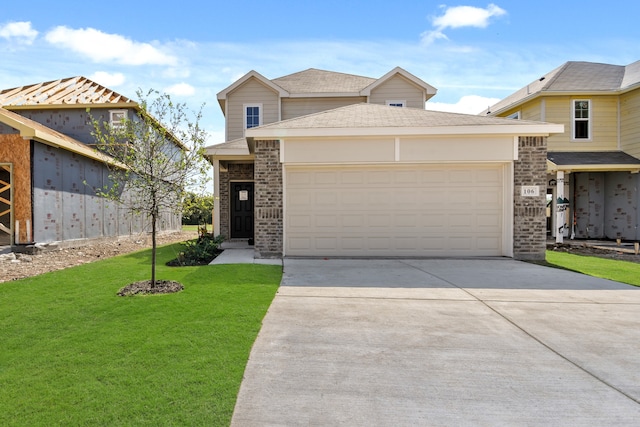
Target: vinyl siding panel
(398,88)
(630,122)
(604,123)
(532,111)
(529,111)
(251,92)
(296,107)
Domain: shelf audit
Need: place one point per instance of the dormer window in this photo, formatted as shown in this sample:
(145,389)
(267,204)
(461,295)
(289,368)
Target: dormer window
(117,118)
(581,119)
(396,103)
(252,115)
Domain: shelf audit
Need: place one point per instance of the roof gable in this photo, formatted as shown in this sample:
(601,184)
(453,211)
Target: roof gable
(72,91)
(222,95)
(427,88)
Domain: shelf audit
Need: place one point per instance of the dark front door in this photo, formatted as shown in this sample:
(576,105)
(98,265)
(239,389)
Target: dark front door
(242,210)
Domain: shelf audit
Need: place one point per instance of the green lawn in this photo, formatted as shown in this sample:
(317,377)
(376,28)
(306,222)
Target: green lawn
(73,353)
(620,271)
(194,228)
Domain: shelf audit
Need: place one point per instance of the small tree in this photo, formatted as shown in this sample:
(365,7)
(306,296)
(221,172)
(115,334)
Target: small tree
(157,155)
(197,209)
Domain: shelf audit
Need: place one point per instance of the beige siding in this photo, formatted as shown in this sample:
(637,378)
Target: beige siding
(529,111)
(604,123)
(400,89)
(630,122)
(532,111)
(251,92)
(296,107)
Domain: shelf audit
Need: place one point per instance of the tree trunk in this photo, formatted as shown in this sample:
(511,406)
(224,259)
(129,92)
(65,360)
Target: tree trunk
(153,249)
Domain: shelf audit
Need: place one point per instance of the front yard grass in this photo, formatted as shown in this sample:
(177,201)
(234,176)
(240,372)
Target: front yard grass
(619,271)
(73,353)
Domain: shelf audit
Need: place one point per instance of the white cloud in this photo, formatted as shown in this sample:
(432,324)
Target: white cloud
(20,31)
(108,79)
(106,48)
(469,104)
(180,89)
(461,16)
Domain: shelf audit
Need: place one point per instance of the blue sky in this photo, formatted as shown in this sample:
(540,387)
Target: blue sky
(473,52)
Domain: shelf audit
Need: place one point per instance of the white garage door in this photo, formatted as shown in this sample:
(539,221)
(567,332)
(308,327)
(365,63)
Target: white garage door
(426,210)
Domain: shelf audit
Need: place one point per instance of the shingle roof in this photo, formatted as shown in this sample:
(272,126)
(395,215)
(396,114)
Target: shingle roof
(576,77)
(69,91)
(377,116)
(234,147)
(320,81)
(592,158)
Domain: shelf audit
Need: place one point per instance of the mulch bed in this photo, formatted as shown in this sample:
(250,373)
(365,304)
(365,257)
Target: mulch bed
(144,288)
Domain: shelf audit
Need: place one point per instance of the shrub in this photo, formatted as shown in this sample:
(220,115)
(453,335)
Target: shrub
(200,251)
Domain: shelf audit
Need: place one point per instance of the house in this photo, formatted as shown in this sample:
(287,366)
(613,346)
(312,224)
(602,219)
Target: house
(320,163)
(593,185)
(50,170)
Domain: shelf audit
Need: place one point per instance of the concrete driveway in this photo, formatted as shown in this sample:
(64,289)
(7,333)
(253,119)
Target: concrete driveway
(443,342)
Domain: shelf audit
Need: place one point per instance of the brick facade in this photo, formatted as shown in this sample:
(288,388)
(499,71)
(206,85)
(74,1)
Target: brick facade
(530,227)
(268,189)
(235,172)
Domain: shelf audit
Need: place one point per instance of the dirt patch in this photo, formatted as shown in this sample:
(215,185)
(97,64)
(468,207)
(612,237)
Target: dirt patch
(19,266)
(587,250)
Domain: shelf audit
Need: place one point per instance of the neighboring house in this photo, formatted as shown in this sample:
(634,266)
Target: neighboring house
(320,163)
(50,170)
(597,157)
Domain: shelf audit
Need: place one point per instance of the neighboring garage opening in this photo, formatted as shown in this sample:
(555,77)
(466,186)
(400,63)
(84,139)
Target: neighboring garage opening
(397,210)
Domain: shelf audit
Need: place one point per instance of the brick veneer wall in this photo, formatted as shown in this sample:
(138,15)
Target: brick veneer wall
(235,172)
(268,196)
(530,226)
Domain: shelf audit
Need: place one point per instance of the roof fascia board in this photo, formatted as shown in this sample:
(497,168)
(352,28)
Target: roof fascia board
(545,129)
(430,90)
(552,167)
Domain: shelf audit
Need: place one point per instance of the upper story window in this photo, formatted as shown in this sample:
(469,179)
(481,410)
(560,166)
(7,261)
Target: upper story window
(117,118)
(396,103)
(514,116)
(581,119)
(252,115)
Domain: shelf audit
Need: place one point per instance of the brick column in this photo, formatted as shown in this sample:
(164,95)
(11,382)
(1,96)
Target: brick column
(530,227)
(268,200)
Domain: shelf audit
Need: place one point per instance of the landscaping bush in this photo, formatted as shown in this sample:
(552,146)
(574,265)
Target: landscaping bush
(200,251)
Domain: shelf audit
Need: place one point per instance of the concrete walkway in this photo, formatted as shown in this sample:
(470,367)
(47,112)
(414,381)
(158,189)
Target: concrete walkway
(442,343)
(240,252)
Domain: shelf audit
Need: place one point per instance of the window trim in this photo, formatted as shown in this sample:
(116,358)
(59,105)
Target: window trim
(514,116)
(395,102)
(244,114)
(118,124)
(589,119)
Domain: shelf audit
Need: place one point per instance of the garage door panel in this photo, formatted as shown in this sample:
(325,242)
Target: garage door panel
(428,210)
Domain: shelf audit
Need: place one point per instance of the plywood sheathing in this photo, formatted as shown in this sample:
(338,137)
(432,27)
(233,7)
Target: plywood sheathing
(17,151)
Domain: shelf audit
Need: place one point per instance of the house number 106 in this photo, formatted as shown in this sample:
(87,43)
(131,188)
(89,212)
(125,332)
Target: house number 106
(530,191)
